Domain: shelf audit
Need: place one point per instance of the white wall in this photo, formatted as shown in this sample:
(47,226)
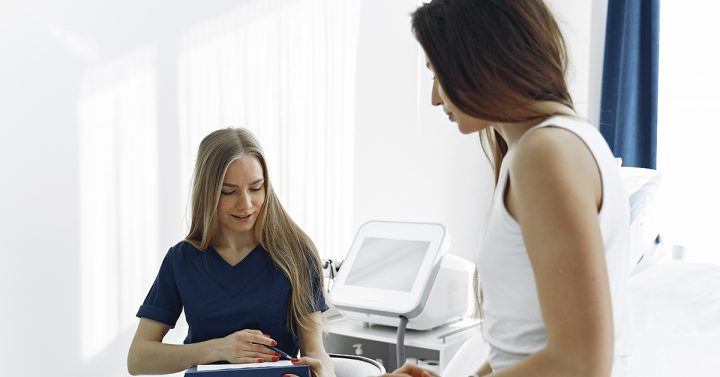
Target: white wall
(574,18)
(411,164)
(597,51)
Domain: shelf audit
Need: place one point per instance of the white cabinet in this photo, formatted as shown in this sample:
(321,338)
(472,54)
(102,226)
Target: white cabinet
(378,341)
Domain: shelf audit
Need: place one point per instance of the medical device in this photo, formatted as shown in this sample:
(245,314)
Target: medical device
(399,274)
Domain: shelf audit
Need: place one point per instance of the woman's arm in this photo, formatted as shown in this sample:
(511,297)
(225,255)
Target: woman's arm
(148,355)
(412,370)
(311,343)
(484,370)
(555,195)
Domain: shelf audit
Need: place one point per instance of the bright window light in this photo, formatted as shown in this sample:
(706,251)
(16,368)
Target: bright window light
(118,196)
(688,127)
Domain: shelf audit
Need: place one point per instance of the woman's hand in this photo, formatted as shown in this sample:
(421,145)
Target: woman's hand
(316,367)
(411,370)
(240,347)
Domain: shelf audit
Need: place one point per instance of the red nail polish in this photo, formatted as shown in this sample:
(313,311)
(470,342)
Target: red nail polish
(294,360)
(275,358)
(261,360)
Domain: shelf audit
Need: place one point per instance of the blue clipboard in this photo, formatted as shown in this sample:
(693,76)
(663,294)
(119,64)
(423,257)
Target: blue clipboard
(258,371)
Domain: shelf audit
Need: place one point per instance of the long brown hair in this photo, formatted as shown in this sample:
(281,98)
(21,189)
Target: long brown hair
(289,247)
(494,59)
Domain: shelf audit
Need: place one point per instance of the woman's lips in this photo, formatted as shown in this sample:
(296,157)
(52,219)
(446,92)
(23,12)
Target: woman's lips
(242,217)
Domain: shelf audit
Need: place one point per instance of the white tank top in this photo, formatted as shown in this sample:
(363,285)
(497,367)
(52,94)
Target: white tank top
(513,324)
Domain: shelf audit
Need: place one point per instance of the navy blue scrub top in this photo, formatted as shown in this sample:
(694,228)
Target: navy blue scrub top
(220,299)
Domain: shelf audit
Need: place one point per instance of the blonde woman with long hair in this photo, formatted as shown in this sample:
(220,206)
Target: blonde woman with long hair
(246,275)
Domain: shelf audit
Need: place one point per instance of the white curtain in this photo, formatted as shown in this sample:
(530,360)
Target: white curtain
(286,71)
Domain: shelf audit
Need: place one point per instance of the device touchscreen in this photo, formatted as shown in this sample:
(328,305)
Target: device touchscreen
(387,264)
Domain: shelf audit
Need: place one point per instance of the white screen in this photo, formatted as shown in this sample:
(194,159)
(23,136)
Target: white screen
(387,264)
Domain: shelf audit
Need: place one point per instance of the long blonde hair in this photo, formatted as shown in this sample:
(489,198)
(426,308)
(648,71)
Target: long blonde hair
(289,247)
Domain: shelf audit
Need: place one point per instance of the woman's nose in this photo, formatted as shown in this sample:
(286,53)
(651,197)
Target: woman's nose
(244,201)
(435,99)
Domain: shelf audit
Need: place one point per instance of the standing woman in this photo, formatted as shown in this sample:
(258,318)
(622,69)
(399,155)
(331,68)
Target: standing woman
(246,274)
(554,262)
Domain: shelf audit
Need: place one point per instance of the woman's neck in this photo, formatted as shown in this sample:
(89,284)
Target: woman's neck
(235,243)
(512,132)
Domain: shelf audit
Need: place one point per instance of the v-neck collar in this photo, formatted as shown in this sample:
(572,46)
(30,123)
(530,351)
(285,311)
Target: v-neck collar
(233,280)
(220,257)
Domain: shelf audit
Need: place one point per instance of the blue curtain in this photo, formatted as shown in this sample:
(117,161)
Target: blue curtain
(628,109)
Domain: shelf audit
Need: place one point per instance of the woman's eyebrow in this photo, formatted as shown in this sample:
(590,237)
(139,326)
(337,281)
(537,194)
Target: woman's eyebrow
(252,183)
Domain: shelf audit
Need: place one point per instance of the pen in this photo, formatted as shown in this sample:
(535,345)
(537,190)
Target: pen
(278,350)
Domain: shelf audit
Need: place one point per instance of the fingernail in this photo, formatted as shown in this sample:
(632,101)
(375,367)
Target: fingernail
(275,358)
(277,354)
(294,360)
(274,343)
(261,360)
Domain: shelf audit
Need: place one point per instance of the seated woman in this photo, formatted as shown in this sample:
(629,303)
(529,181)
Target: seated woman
(241,274)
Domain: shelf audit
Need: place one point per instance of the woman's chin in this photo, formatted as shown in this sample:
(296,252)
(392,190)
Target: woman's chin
(465,130)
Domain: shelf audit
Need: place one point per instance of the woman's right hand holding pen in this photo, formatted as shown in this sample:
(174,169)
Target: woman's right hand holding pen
(246,346)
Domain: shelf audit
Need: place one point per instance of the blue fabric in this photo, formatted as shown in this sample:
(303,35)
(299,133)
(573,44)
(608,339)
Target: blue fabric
(628,110)
(220,299)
